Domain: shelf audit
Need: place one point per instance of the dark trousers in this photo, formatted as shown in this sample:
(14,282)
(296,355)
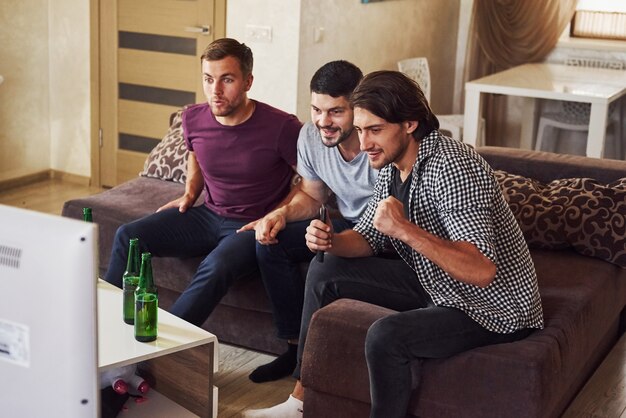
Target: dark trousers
(282,276)
(197,232)
(420,330)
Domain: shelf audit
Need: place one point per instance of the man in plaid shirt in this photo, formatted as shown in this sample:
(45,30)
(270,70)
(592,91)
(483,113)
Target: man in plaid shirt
(437,243)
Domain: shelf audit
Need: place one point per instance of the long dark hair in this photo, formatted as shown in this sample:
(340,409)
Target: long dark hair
(396,98)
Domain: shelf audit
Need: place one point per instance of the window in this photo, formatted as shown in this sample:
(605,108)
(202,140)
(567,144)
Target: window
(599,19)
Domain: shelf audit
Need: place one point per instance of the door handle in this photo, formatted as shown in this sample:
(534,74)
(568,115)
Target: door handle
(203,30)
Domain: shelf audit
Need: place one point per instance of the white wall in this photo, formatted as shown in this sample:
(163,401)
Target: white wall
(44,100)
(275,62)
(24,95)
(70,108)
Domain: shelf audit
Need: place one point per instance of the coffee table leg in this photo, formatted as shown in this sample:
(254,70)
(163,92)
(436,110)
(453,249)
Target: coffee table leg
(185,377)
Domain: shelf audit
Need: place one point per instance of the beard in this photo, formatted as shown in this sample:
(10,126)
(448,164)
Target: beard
(226,107)
(384,158)
(331,142)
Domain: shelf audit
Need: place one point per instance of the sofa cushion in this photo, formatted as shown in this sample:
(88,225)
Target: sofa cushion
(168,160)
(580,213)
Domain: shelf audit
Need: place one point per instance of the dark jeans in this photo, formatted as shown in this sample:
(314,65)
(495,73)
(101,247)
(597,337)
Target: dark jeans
(420,330)
(197,232)
(282,276)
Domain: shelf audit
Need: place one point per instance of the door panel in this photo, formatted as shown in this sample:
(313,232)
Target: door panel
(144,118)
(150,67)
(166,17)
(130,163)
(158,69)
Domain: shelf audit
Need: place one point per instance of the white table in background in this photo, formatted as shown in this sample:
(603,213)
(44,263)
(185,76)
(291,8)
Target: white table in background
(183,358)
(596,86)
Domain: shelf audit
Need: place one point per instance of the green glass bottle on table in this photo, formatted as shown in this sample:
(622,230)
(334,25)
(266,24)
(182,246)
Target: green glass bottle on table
(87,217)
(130,280)
(146,302)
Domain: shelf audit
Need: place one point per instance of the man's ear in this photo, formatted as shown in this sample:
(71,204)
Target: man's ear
(411,126)
(249,81)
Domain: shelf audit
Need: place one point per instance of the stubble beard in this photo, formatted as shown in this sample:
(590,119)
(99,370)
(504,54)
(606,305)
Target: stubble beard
(334,142)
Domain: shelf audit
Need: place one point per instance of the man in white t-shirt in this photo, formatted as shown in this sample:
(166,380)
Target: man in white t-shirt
(329,160)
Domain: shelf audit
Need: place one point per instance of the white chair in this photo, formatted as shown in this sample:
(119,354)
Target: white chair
(574,116)
(417,69)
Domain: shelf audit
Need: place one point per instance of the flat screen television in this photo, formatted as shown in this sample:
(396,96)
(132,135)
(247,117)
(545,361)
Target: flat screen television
(48,324)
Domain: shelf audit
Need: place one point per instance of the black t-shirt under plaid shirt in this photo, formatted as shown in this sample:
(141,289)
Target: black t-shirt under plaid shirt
(455,196)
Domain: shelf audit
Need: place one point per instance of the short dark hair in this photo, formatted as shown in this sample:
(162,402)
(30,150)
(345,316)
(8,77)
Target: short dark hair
(336,79)
(393,96)
(228,47)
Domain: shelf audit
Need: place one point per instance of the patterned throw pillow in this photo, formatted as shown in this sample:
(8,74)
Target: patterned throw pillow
(168,160)
(579,213)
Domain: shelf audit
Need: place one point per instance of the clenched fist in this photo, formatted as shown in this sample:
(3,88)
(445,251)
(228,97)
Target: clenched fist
(389,217)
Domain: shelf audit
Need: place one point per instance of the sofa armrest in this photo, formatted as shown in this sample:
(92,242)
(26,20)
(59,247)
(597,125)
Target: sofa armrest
(336,344)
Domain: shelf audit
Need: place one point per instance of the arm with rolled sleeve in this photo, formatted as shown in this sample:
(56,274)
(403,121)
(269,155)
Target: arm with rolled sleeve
(464,192)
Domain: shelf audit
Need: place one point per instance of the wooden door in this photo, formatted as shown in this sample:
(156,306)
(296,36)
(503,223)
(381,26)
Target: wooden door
(149,67)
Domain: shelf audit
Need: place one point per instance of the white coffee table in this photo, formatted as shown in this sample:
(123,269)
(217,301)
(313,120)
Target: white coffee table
(182,360)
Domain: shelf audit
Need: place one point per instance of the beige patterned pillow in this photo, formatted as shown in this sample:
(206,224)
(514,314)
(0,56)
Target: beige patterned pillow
(168,160)
(579,213)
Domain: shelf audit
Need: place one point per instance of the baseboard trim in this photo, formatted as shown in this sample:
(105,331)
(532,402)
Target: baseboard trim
(42,176)
(25,180)
(71,178)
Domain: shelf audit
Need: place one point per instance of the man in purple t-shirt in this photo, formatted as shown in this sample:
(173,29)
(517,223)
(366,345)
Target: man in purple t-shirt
(242,153)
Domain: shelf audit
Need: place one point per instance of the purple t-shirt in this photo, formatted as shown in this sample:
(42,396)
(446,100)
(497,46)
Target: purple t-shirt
(247,168)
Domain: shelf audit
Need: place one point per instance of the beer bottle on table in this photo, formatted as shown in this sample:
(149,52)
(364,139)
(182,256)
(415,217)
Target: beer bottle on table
(130,280)
(146,302)
(87,217)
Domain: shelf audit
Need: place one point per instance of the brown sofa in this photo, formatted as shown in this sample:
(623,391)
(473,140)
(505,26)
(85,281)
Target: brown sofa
(583,296)
(582,287)
(243,317)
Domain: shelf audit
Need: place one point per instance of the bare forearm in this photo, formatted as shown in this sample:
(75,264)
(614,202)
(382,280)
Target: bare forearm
(304,204)
(350,243)
(460,259)
(193,188)
(300,207)
(195,182)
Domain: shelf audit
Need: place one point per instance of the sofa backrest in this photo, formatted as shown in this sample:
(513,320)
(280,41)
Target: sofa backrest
(565,201)
(547,166)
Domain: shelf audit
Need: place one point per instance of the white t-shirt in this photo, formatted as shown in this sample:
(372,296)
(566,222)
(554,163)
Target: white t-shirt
(352,182)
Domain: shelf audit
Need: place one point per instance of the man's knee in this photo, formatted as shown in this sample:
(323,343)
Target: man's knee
(381,339)
(320,274)
(269,253)
(127,231)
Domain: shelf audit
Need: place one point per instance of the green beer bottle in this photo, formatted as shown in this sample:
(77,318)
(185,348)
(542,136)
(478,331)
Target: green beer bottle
(146,302)
(130,280)
(87,215)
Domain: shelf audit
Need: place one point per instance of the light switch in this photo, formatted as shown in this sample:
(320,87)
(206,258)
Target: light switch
(258,33)
(318,35)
